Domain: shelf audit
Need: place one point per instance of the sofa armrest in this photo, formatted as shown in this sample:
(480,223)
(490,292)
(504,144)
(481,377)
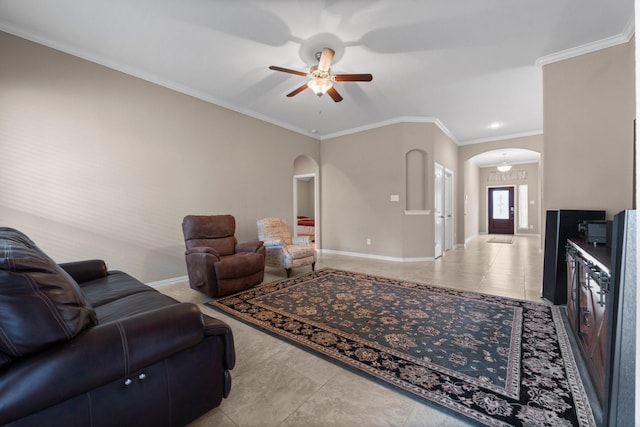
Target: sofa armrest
(102,354)
(250,246)
(85,271)
(215,326)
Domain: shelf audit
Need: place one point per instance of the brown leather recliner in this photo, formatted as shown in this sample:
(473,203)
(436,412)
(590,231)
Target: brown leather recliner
(217,264)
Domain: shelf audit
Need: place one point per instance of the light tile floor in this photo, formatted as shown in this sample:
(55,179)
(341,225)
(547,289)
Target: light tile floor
(278,384)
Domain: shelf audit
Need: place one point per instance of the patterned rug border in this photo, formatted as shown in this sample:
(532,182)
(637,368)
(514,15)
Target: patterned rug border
(583,410)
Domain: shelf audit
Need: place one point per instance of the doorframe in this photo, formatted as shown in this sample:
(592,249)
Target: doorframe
(449,192)
(438,191)
(515,205)
(316,204)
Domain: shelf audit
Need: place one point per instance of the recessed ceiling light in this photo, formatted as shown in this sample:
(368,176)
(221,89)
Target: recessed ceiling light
(314,131)
(495,125)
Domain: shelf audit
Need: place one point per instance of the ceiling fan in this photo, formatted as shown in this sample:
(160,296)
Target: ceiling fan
(321,78)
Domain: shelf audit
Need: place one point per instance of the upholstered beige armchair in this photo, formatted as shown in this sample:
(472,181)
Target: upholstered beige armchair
(282,250)
(217,264)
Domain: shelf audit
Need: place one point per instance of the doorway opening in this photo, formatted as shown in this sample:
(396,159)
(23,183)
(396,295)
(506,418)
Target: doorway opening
(305,206)
(306,199)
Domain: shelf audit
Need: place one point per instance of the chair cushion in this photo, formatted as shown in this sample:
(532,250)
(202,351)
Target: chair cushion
(274,229)
(298,252)
(40,304)
(215,231)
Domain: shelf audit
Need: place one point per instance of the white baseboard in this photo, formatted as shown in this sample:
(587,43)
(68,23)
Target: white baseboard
(380,257)
(468,239)
(171,281)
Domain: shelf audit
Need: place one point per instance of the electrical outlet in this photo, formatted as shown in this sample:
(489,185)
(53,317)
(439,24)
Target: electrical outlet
(368,241)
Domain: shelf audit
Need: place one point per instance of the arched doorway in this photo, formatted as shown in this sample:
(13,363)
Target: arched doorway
(522,183)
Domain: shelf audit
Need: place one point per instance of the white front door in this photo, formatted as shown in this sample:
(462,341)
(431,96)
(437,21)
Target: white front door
(438,209)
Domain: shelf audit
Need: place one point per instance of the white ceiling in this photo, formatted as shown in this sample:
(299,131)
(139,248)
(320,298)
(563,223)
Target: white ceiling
(464,64)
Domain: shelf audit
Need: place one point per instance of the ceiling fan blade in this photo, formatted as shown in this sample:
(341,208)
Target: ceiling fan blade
(333,93)
(325,59)
(287,70)
(297,91)
(353,77)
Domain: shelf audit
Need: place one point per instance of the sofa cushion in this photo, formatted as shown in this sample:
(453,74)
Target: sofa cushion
(40,304)
(115,285)
(133,304)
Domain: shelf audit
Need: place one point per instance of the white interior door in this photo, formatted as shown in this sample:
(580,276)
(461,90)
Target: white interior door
(438,209)
(448,210)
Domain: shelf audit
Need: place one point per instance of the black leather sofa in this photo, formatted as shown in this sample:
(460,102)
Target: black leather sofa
(83,346)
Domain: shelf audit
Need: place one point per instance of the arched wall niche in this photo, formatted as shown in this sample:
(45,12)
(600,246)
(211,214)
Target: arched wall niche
(416,194)
(304,165)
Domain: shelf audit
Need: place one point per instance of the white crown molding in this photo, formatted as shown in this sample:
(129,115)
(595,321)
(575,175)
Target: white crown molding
(624,37)
(207,98)
(502,138)
(393,121)
(152,78)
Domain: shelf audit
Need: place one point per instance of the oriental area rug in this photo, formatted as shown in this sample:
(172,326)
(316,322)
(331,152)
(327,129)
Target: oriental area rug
(495,360)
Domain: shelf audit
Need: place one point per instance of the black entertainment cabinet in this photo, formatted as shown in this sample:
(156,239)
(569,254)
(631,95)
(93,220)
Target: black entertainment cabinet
(561,225)
(600,282)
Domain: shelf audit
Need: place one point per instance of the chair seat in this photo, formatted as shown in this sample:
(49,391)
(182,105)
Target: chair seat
(298,252)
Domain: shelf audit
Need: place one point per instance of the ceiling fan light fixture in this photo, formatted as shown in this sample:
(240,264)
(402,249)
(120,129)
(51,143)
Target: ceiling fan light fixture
(319,86)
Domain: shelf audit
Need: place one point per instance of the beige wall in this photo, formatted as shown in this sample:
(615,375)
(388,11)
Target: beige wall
(96,163)
(589,108)
(530,178)
(359,174)
(470,201)
(101,164)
